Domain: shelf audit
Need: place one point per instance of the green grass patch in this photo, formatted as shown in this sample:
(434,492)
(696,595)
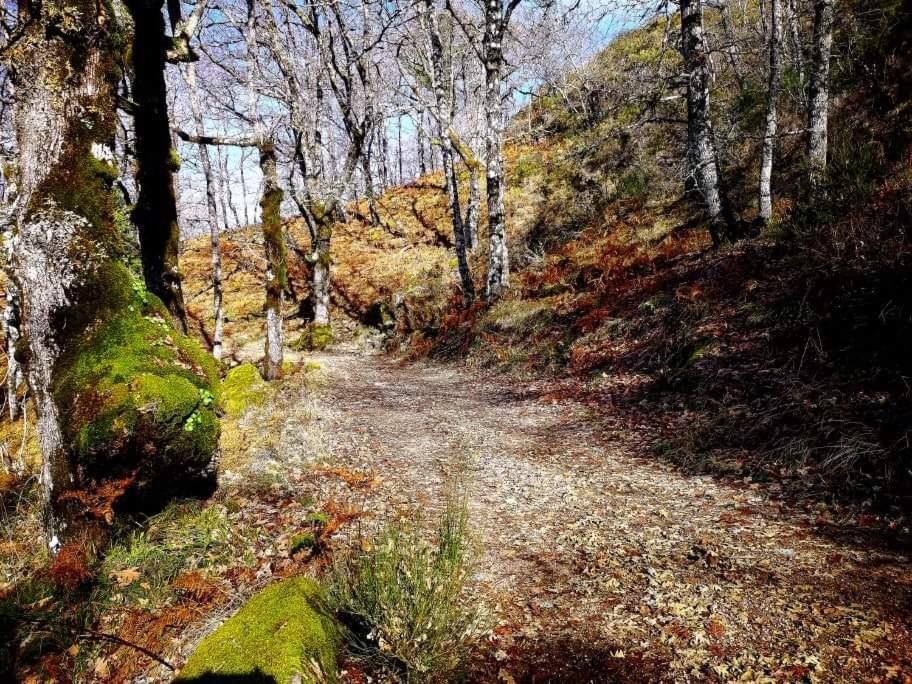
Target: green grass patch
(185,536)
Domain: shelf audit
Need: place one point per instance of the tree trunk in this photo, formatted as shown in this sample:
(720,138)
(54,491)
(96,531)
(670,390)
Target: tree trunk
(498,257)
(470,223)
(321,265)
(471,216)
(422,163)
(818,112)
(11,328)
(212,208)
(276,274)
(53,144)
(369,187)
(769,137)
(383,145)
(443,100)
(155,213)
(459,240)
(102,432)
(701,147)
(797,45)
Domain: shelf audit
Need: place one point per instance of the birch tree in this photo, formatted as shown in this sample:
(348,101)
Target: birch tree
(819,98)
(769,134)
(701,147)
(496,20)
(440,72)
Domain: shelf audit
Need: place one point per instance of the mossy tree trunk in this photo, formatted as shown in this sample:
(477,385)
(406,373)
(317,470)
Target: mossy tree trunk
(155,213)
(119,395)
(63,197)
(276,272)
(322,262)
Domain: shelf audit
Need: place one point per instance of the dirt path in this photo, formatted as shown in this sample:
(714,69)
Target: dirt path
(600,566)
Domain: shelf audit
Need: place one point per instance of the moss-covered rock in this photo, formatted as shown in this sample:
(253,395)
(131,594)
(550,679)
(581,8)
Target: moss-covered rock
(137,398)
(280,635)
(243,387)
(314,337)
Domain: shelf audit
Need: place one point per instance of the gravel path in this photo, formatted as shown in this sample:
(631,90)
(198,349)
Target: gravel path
(597,565)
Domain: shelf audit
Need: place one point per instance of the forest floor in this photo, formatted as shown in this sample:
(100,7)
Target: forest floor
(593,564)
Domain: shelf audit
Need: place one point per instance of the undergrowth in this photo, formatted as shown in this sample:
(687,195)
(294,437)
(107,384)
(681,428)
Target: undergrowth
(404,600)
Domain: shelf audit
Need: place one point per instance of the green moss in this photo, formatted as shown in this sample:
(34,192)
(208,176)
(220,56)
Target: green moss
(243,387)
(314,337)
(281,633)
(134,392)
(302,542)
(318,519)
(174,160)
(270,208)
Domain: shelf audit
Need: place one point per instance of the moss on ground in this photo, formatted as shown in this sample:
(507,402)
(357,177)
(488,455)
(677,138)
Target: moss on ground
(282,634)
(136,395)
(243,387)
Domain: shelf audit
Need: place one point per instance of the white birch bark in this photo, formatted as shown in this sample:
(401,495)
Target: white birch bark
(818,111)
(701,146)
(769,136)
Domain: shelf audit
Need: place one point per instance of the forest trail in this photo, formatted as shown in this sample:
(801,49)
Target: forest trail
(597,565)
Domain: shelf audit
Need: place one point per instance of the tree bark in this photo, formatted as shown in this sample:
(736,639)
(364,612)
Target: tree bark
(155,213)
(52,144)
(83,314)
(276,274)
(797,45)
(321,266)
(818,111)
(471,216)
(12,325)
(470,223)
(769,136)
(701,146)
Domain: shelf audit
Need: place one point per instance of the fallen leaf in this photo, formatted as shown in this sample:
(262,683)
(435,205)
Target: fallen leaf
(124,578)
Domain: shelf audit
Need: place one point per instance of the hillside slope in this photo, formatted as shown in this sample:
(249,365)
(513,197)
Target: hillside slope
(781,357)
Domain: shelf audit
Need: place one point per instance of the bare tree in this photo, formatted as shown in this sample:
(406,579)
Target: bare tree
(442,79)
(212,212)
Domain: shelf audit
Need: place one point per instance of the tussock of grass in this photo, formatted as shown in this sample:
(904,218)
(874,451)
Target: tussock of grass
(405,599)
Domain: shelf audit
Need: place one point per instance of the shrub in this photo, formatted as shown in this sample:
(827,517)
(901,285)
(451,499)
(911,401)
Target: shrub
(404,598)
